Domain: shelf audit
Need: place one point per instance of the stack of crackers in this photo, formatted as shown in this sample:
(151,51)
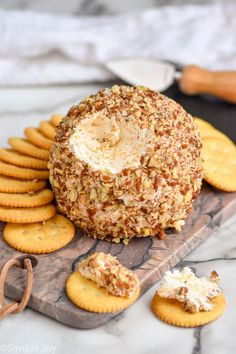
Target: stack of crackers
(24,194)
(219,156)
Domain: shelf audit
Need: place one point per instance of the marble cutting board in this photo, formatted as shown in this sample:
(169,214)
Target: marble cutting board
(148,257)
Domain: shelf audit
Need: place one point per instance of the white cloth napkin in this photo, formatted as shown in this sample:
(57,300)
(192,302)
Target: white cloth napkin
(39,48)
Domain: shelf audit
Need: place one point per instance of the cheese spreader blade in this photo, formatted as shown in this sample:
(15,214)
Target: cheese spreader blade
(155,74)
(159,75)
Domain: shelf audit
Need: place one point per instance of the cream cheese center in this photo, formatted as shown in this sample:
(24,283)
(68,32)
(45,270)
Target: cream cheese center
(111,144)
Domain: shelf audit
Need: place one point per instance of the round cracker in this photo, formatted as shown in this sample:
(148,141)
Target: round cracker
(20,172)
(219,164)
(172,312)
(202,123)
(16,158)
(27,200)
(56,119)
(47,129)
(40,237)
(27,215)
(14,185)
(37,138)
(214,133)
(25,147)
(86,294)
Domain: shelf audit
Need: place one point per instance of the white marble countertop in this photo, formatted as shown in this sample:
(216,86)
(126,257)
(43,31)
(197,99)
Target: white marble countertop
(136,331)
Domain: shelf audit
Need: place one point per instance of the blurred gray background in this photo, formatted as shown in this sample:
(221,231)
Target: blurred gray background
(93,7)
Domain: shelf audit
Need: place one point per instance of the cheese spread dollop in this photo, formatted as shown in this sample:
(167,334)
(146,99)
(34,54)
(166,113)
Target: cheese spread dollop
(193,292)
(106,271)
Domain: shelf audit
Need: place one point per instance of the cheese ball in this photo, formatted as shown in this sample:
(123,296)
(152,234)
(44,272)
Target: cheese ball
(126,162)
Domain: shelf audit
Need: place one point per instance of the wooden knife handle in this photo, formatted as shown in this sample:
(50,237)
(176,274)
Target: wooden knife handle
(196,80)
